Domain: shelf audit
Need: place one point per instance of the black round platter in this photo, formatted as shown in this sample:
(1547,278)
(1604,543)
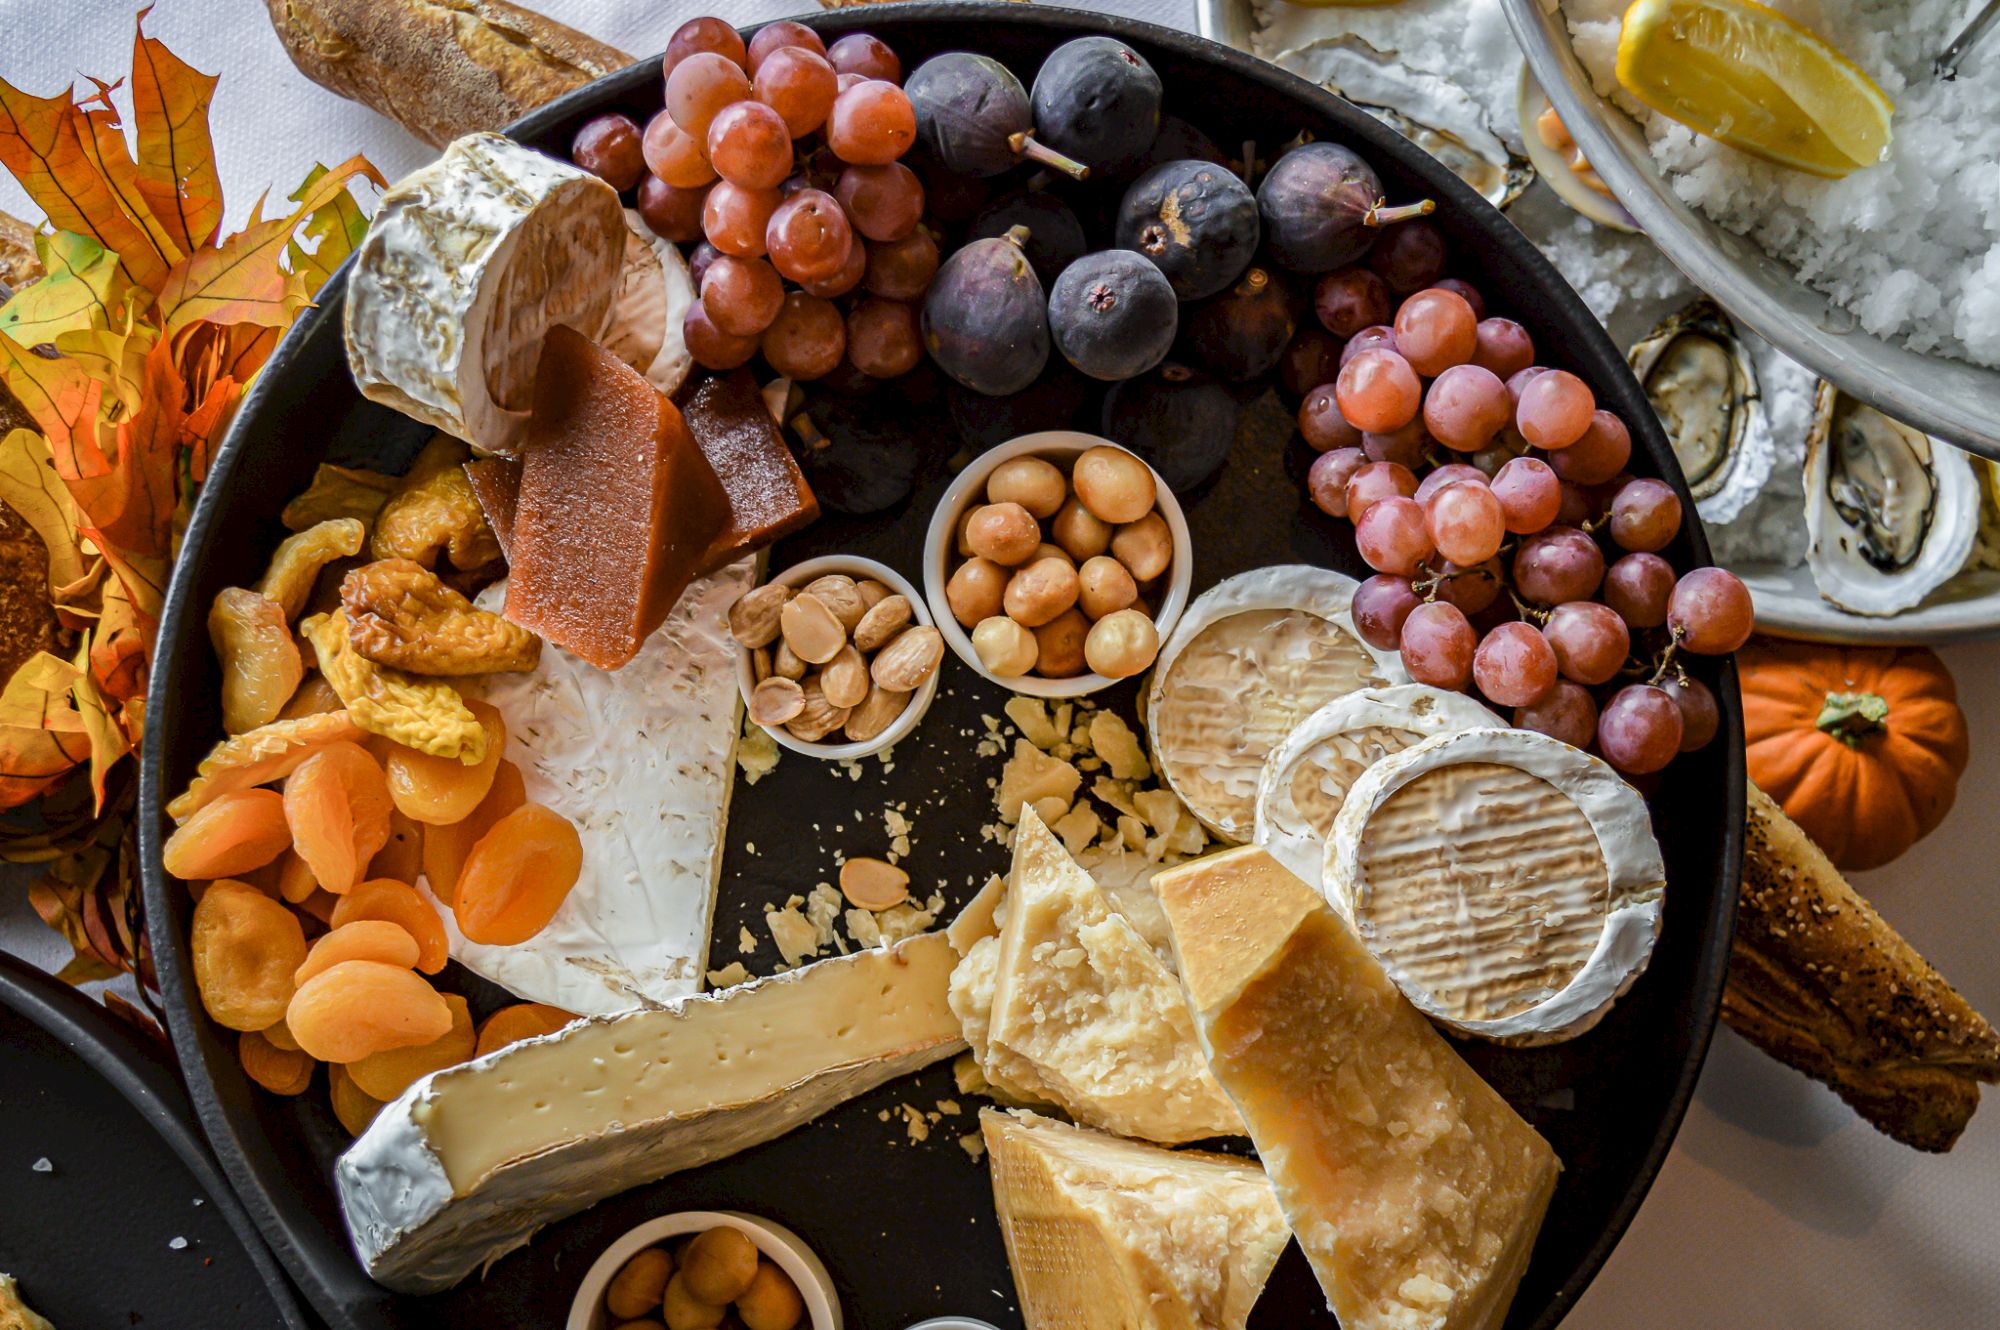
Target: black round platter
(907,1228)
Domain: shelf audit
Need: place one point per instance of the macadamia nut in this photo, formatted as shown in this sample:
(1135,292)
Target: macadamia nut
(1004,647)
(1104,587)
(1145,547)
(1059,643)
(1121,644)
(1029,481)
(975,591)
(1039,592)
(1004,533)
(1079,531)
(1114,484)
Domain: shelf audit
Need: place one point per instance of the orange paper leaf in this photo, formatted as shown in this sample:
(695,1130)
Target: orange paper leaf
(177,174)
(128,498)
(102,134)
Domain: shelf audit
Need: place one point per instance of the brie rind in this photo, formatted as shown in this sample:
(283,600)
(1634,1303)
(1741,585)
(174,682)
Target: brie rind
(1307,777)
(471,1160)
(1109,1234)
(642,761)
(654,291)
(1253,656)
(1509,883)
(467,263)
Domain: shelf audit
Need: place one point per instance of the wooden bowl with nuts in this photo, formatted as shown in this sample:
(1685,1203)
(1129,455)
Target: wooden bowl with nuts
(1057,563)
(836,657)
(694,1269)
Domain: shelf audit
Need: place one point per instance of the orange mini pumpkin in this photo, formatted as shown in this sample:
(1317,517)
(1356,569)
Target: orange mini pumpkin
(1863,746)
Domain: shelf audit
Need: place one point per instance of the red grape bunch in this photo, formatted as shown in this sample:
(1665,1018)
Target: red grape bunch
(777,161)
(1513,553)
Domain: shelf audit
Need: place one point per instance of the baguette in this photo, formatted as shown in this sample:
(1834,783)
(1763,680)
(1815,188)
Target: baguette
(440,68)
(1820,981)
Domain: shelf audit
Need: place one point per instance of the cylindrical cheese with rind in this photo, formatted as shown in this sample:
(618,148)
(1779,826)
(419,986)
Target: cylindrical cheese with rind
(467,263)
(1508,883)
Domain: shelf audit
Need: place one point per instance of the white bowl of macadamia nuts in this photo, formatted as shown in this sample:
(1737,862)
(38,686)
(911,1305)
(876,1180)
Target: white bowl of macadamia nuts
(836,657)
(1057,563)
(701,1268)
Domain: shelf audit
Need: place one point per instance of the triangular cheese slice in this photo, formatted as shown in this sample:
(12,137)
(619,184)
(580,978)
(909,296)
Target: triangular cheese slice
(1086,1014)
(1414,1188)
(1108,1234)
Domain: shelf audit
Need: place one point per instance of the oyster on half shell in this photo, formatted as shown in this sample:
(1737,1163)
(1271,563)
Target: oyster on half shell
(1891,513)
(1703,385)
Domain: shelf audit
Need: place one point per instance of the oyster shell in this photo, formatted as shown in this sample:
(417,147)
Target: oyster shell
(1703,385)
(1428,108)
(1891,513)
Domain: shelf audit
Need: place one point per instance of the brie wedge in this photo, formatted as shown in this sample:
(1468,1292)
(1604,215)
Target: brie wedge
(1252,657)
(1307,777)
(1509,883)
(642,761)
(1414,1189)
(467,263)
(654,292)
(1108,1234)
(471,1160)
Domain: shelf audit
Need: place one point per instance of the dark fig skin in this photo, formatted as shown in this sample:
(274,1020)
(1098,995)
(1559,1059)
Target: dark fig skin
(1177,141)
(1055,236)
(985,318)
(973,117)
(1197,221)
(857,458)
(1181,421)
(1059,399)
(1321,207)
(1097,100)
(1243,332)
(1113,315)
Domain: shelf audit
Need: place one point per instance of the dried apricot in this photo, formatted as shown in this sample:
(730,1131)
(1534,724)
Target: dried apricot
(261,666)
(435,509)
(425,714)
(280,1037)
(231,836)
(245,947)
(394,1070)
(517,876)
(267,753)
(446,847)
(403,857)
(353,1106)
(339,491)
(399,903)
(442,790)
(523,1020)
(314,696)
(362,1007)
(360,940)
(401,613)
(337,804)
(319,905)
(296,564)
(279,1070)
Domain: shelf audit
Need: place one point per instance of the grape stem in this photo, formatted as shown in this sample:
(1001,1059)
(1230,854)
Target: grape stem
(1532,613)
(1668,663)
(1022,142)
(1381,214)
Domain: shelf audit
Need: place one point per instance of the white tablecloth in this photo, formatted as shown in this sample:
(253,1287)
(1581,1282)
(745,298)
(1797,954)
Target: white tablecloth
(1777,1207)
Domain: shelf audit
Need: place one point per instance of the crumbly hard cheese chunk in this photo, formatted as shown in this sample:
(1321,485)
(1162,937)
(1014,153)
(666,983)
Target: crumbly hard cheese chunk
(1414,1189)
(14,1313)
(470,1161)
(1109,1234)
(1032,775)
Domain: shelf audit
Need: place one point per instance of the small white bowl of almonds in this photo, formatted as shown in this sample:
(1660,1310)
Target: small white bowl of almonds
(1057,563)
(837,657)
(702,1268)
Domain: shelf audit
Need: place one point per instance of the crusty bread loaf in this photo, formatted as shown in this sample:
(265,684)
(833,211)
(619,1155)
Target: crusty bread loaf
(440,68)
(1820,981)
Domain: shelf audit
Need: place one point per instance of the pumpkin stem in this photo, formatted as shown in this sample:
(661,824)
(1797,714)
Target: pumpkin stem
(1852,717)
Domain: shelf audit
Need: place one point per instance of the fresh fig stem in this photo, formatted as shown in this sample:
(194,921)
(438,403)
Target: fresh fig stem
(1380,214)
(1023,142)
(1017,235)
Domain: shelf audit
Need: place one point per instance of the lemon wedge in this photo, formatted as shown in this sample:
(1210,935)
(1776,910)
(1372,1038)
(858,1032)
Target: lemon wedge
(1745,74)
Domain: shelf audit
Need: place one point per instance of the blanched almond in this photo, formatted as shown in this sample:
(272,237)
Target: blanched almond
(877,712)
(844,679)
(753,619)
(811,629)
(908,660)
(776,701)
(886,618)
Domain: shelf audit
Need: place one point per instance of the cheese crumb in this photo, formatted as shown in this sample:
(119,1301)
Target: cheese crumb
(1113,740)
(729,976)
(1078,828)
(950,1106)
(746,941)
(178,1244)
(42,1165)
(1031,716)
(974,1146)
(914,1123)
(863,928)
(756,752)
(1030,776)
(796,938)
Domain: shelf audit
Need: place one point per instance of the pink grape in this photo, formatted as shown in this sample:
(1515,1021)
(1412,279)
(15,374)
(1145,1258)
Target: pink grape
(1558,565)
(1554,410)
(1568,713)
(1404,446)
(1350,299)
(1505,447)
(1638,587)
(1639,729)
(1436,329)
(1322,424)
(1710,611)
(1645,515)
(1377,480)
(1464,291)
(1701,716)
(1578,505)
(1448,474)
(1519,380)
(1381,604)
(1600,453)
(1471,588)
(1465,407)
(1465,522)
(1438,643)
(1529,493)
(1589,639)
(1327,481)
(1379,338)
(1514,665)
(1392,537)
(1502,346)
(1378,391)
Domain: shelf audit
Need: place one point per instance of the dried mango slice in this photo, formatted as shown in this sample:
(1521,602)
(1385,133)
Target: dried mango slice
(337,492)
(402,614)
(295,567)
(425,714)
(261,665)
(260,756)
(435,509)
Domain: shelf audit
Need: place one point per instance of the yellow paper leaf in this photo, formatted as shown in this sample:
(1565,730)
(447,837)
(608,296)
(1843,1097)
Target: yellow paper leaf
(30,486)
(336,228)
(177,173)
(58,393)
(39,696)
(85,288)
(108,739)
(115,357)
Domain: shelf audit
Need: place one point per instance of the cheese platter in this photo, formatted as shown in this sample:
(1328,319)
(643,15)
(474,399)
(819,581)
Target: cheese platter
(540,938)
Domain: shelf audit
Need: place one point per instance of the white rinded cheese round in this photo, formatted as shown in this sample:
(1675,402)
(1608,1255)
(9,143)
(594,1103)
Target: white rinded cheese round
(467,264)
(1307,777)
(1509,883)
(654,292)
(1252,657)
